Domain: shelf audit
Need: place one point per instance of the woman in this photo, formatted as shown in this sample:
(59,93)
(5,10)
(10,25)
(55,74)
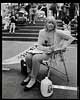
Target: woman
(53,9)
(33,10)
(49,39)
(13,24)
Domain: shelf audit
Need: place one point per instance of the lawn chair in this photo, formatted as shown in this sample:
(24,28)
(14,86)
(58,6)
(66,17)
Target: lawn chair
(49,63)
(52,64)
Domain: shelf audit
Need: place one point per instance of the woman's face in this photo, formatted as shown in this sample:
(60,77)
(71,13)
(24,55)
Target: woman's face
(50,25)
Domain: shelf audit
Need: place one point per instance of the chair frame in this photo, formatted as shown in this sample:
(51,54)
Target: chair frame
(48,63)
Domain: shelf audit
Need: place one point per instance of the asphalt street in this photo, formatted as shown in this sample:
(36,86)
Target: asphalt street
(11,88)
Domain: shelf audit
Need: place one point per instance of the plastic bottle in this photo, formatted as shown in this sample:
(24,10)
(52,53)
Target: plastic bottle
(46,87)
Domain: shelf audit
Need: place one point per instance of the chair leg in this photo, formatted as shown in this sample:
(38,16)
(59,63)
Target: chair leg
(49,66)
(62,59)
(48,70)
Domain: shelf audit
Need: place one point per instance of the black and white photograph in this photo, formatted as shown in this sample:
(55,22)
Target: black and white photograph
(39,50)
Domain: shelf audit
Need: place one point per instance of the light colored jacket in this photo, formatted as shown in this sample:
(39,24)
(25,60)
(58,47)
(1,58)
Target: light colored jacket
(57,39)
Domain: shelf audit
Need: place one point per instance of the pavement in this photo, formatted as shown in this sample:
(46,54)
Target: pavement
(11,88)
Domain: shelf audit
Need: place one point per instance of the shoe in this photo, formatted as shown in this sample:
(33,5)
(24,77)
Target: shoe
(25,82)
(28,87)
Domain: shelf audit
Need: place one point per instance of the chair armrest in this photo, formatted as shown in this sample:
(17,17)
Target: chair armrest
(60,50)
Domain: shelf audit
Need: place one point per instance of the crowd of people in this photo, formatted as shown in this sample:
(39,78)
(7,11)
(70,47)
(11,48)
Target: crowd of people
(30,13)
(34,11)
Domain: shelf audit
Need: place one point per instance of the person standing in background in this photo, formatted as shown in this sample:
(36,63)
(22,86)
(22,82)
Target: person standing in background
(59,7)
(71,11)
(44,8)
(12,24)
(27,8)
(53,9)
(33,10)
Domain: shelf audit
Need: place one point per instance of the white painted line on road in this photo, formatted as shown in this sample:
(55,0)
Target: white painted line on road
(65,87)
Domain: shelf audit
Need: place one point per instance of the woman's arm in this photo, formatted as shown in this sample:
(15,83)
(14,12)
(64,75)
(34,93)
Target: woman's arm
(66,36)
